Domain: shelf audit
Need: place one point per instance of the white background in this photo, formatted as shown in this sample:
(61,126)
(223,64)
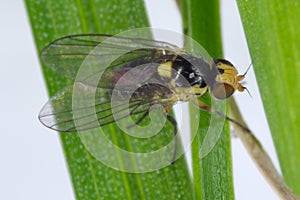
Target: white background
(32,163)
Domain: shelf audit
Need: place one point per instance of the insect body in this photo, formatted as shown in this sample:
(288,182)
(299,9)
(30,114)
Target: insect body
(146,72)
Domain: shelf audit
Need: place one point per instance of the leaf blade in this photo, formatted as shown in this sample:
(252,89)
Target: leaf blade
(272,40)
(92,179)
(212,180)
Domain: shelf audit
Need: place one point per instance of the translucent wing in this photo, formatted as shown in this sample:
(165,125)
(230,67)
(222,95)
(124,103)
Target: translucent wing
(82,107)
(66,55)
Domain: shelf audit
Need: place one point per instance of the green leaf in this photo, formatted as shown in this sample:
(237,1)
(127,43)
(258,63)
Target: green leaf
(272,32)
(92,179)
(213,173)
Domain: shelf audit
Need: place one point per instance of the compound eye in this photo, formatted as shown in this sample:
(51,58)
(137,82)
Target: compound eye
(222,90)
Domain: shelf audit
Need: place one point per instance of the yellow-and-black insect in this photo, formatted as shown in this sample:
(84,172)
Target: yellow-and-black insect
(162,74)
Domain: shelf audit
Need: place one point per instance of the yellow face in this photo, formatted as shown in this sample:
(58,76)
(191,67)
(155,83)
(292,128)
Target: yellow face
(227,80)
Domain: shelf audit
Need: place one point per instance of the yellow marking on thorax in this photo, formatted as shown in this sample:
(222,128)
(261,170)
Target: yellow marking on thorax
(165,69)
(186,94)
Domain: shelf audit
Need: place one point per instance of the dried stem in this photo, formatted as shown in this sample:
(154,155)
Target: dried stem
(259,156)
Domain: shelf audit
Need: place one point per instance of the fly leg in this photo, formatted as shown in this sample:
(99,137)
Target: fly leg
(171,120)
(174,124)
(205,107)
(138,121)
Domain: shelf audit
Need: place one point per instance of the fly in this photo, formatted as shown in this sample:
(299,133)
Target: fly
(162,74)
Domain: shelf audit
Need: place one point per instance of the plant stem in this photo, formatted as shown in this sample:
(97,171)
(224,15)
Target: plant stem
(259,155)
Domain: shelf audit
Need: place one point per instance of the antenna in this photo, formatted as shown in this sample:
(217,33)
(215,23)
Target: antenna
(247,71)
(248,91)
